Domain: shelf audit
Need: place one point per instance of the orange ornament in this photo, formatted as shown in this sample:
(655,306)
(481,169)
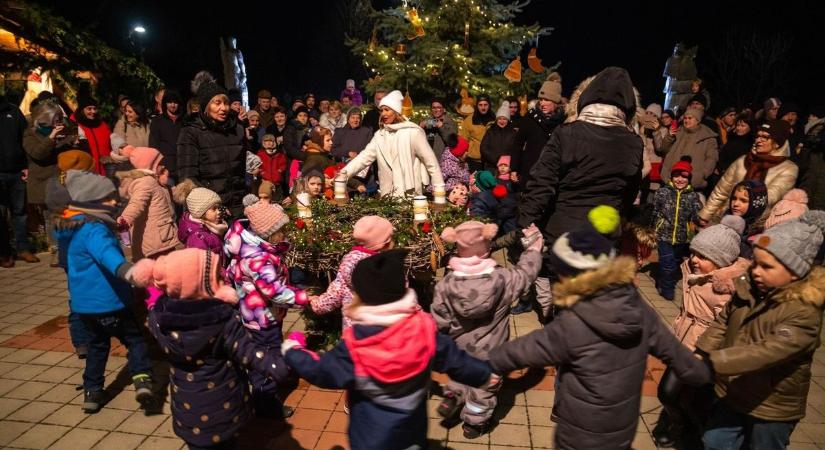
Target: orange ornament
(533,61)
(513,71)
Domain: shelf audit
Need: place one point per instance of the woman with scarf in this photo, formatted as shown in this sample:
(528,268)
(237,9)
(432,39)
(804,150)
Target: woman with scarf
(473,129)
(768,162)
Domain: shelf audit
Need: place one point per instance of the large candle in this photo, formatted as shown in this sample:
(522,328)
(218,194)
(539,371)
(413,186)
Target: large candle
(304,211)
(420,208)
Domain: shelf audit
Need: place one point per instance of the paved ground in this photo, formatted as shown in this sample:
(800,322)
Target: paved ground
(39,402)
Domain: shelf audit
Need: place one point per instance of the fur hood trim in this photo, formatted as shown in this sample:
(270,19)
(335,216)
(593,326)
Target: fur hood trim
(810,289)
(133,174)
(569,291)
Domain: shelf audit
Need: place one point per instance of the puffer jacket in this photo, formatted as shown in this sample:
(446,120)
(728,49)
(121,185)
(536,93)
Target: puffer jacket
(674,212)
(497,142)
(779,180)
(194,233)
(762,348)
(149,213)
(473,306)
(703,298)
(474,135)
(600,342)
(214,156)
(701,145)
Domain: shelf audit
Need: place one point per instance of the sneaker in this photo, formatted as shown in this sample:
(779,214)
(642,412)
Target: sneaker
(475,431)
(143,388)
(667,437)
(521,308)
(93,401)
(449,406)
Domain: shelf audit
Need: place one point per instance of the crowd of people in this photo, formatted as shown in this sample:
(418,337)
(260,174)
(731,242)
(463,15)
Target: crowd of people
(578,192)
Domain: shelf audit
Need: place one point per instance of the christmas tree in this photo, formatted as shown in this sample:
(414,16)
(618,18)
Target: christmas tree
(439,47)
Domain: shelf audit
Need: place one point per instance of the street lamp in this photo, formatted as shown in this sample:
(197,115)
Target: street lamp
(140,30)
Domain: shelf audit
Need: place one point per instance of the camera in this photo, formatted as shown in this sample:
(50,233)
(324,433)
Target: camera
(431,123)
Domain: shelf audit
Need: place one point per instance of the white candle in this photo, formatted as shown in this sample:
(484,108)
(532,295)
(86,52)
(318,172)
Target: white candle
(420,208)
(439,194)
(341,186)
(303,205)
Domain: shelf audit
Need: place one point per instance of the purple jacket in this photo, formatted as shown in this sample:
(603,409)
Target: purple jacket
(197,235)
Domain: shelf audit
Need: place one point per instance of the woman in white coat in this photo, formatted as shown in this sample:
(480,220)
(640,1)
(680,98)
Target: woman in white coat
(404,157)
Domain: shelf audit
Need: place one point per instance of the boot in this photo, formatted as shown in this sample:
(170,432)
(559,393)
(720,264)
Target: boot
(93,401)
(29,257)
(475,431)
(450,406)
(143,388)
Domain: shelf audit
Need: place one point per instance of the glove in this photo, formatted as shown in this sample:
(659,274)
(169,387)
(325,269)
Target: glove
(495,382)
(296,339)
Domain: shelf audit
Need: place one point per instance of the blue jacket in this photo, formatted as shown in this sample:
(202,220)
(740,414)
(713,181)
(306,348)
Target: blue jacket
(501,211)
(93,258)
(388,396)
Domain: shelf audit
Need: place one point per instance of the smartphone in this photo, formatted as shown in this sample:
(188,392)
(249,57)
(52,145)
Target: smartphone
(674,125)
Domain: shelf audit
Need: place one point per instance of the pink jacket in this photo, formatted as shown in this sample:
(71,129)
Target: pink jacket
(149,214)
(704,296)
(338,294)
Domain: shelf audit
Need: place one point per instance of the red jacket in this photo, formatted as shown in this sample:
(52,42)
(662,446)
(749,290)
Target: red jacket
(99,144)
(273,167)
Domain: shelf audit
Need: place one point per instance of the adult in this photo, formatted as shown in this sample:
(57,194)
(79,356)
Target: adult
(813,150)
(353,93)
(372,116)
(334,119)
(594,160)
(695,140)
(264,107)
(157,103)
(473,128)
(165,130)
(133,128)
(651,173)
(296,134)
(93,132)
(700,102)
(791,112)
(309,101)
(212,149)
(405,160)
(438,126)
(768,162)
(317,151)
(535,130)
(726,121)
(515,110)
(13,172)
(769,111)
(277,128)
(499,140)
(348,141)
(739,143)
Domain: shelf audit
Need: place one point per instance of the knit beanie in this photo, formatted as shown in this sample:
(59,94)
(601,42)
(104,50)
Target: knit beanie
(146,158)
(795,243)
(207,91)
(234,96)
(696,113)
(551,88)
(266,187)
(485,180)
(772,102)
(720,243)
(84,100)
(683,165)
(372,232)
(793,204)
(265,218)
(699,98)
(253,114)
(75,160)
(504,110)
(472,238)
(253,161)
(586,248)
(265,94)
(779,130)
(268,137)
(380,279)
(655,109)
(87,187)
(190,274)
(200,200)
(393,101)
(757,198)
(503,159)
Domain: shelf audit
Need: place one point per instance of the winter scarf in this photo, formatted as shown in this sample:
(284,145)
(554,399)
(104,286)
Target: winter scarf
(473,265)
(757,165)
(603,115)
(384,315)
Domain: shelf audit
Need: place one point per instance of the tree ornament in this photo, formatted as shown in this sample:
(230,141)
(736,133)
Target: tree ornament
(467,105)
(417,23)
(533,61)
(373,39)
(300,224)
(426,226)
(467,36)
(407,105)
(400,49)
(522,105)
(513,71)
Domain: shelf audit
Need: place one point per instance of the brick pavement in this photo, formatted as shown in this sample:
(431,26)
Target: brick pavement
(39,402)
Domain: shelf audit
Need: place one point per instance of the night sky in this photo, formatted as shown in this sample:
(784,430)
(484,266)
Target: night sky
(295,47)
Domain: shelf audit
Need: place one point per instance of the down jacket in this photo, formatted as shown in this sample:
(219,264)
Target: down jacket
(600,342)
(673,213)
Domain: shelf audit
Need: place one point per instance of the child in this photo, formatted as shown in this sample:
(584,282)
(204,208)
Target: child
(386,358)
(265,192)
(98,292)
(599,340)
(372,235)
(202,224)
(762,343)
(453,167)
(793,204)
(317,151)
(675,209)
(497,204)
(503,168)
(472,306)
(312,182)
(206,345)
(707,285)
(458,194)
(273,163)
(149,214)
(748,200)
(253,171)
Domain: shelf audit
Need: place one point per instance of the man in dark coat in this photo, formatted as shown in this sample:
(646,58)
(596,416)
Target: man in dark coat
(535,129)
(13,165)
(165,129)
(372,114)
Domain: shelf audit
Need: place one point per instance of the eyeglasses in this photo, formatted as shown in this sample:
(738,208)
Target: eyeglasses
(764,137)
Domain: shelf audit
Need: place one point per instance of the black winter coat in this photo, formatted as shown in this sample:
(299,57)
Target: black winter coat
(12,124)
(600,342)
(209,351)
(497,142)
(163,136)
(501,211)
(295,134)
(736,147)
(348,139)
(214,156)
(533,133)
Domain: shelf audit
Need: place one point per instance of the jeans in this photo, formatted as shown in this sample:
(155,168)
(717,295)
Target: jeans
(102,327)
(728,430)
(670,257)
(13,199)
(78,331)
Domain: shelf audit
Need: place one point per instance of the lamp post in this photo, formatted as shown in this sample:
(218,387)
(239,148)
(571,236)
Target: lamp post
(138,30)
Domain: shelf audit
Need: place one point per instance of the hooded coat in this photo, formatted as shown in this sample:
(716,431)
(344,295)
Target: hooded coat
(196,234)
(762,348)
(585,165)
(497,142)
(600,342)
(700,144)
(149,213)
(405,160)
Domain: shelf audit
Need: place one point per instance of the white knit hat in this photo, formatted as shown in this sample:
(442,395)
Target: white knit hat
(504,110)
(393,101)
(200,200)
(655,109)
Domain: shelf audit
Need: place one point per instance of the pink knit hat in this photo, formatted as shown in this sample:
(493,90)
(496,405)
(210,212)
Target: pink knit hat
(793,204)
(191,274)
(503,159)
(473,238)
(372,232)
(265,218)
(142,157)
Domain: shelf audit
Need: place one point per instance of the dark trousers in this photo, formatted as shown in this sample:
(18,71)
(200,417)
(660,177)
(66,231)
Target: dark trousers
(686,406)
(729,429)
(13,200)
(670,257)
(79,333)
(102,327)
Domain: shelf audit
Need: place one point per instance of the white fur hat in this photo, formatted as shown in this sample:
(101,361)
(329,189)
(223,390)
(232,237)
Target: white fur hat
(504,110)
(393,101)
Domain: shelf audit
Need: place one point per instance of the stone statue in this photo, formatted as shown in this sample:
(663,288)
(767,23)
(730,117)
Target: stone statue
(234,70)
(680,71)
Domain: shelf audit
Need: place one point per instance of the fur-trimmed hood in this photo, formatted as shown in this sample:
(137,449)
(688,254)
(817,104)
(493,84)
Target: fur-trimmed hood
(133,174)
(810,289)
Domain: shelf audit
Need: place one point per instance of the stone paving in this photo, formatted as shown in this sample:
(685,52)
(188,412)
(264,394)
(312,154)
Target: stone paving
(39,399)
